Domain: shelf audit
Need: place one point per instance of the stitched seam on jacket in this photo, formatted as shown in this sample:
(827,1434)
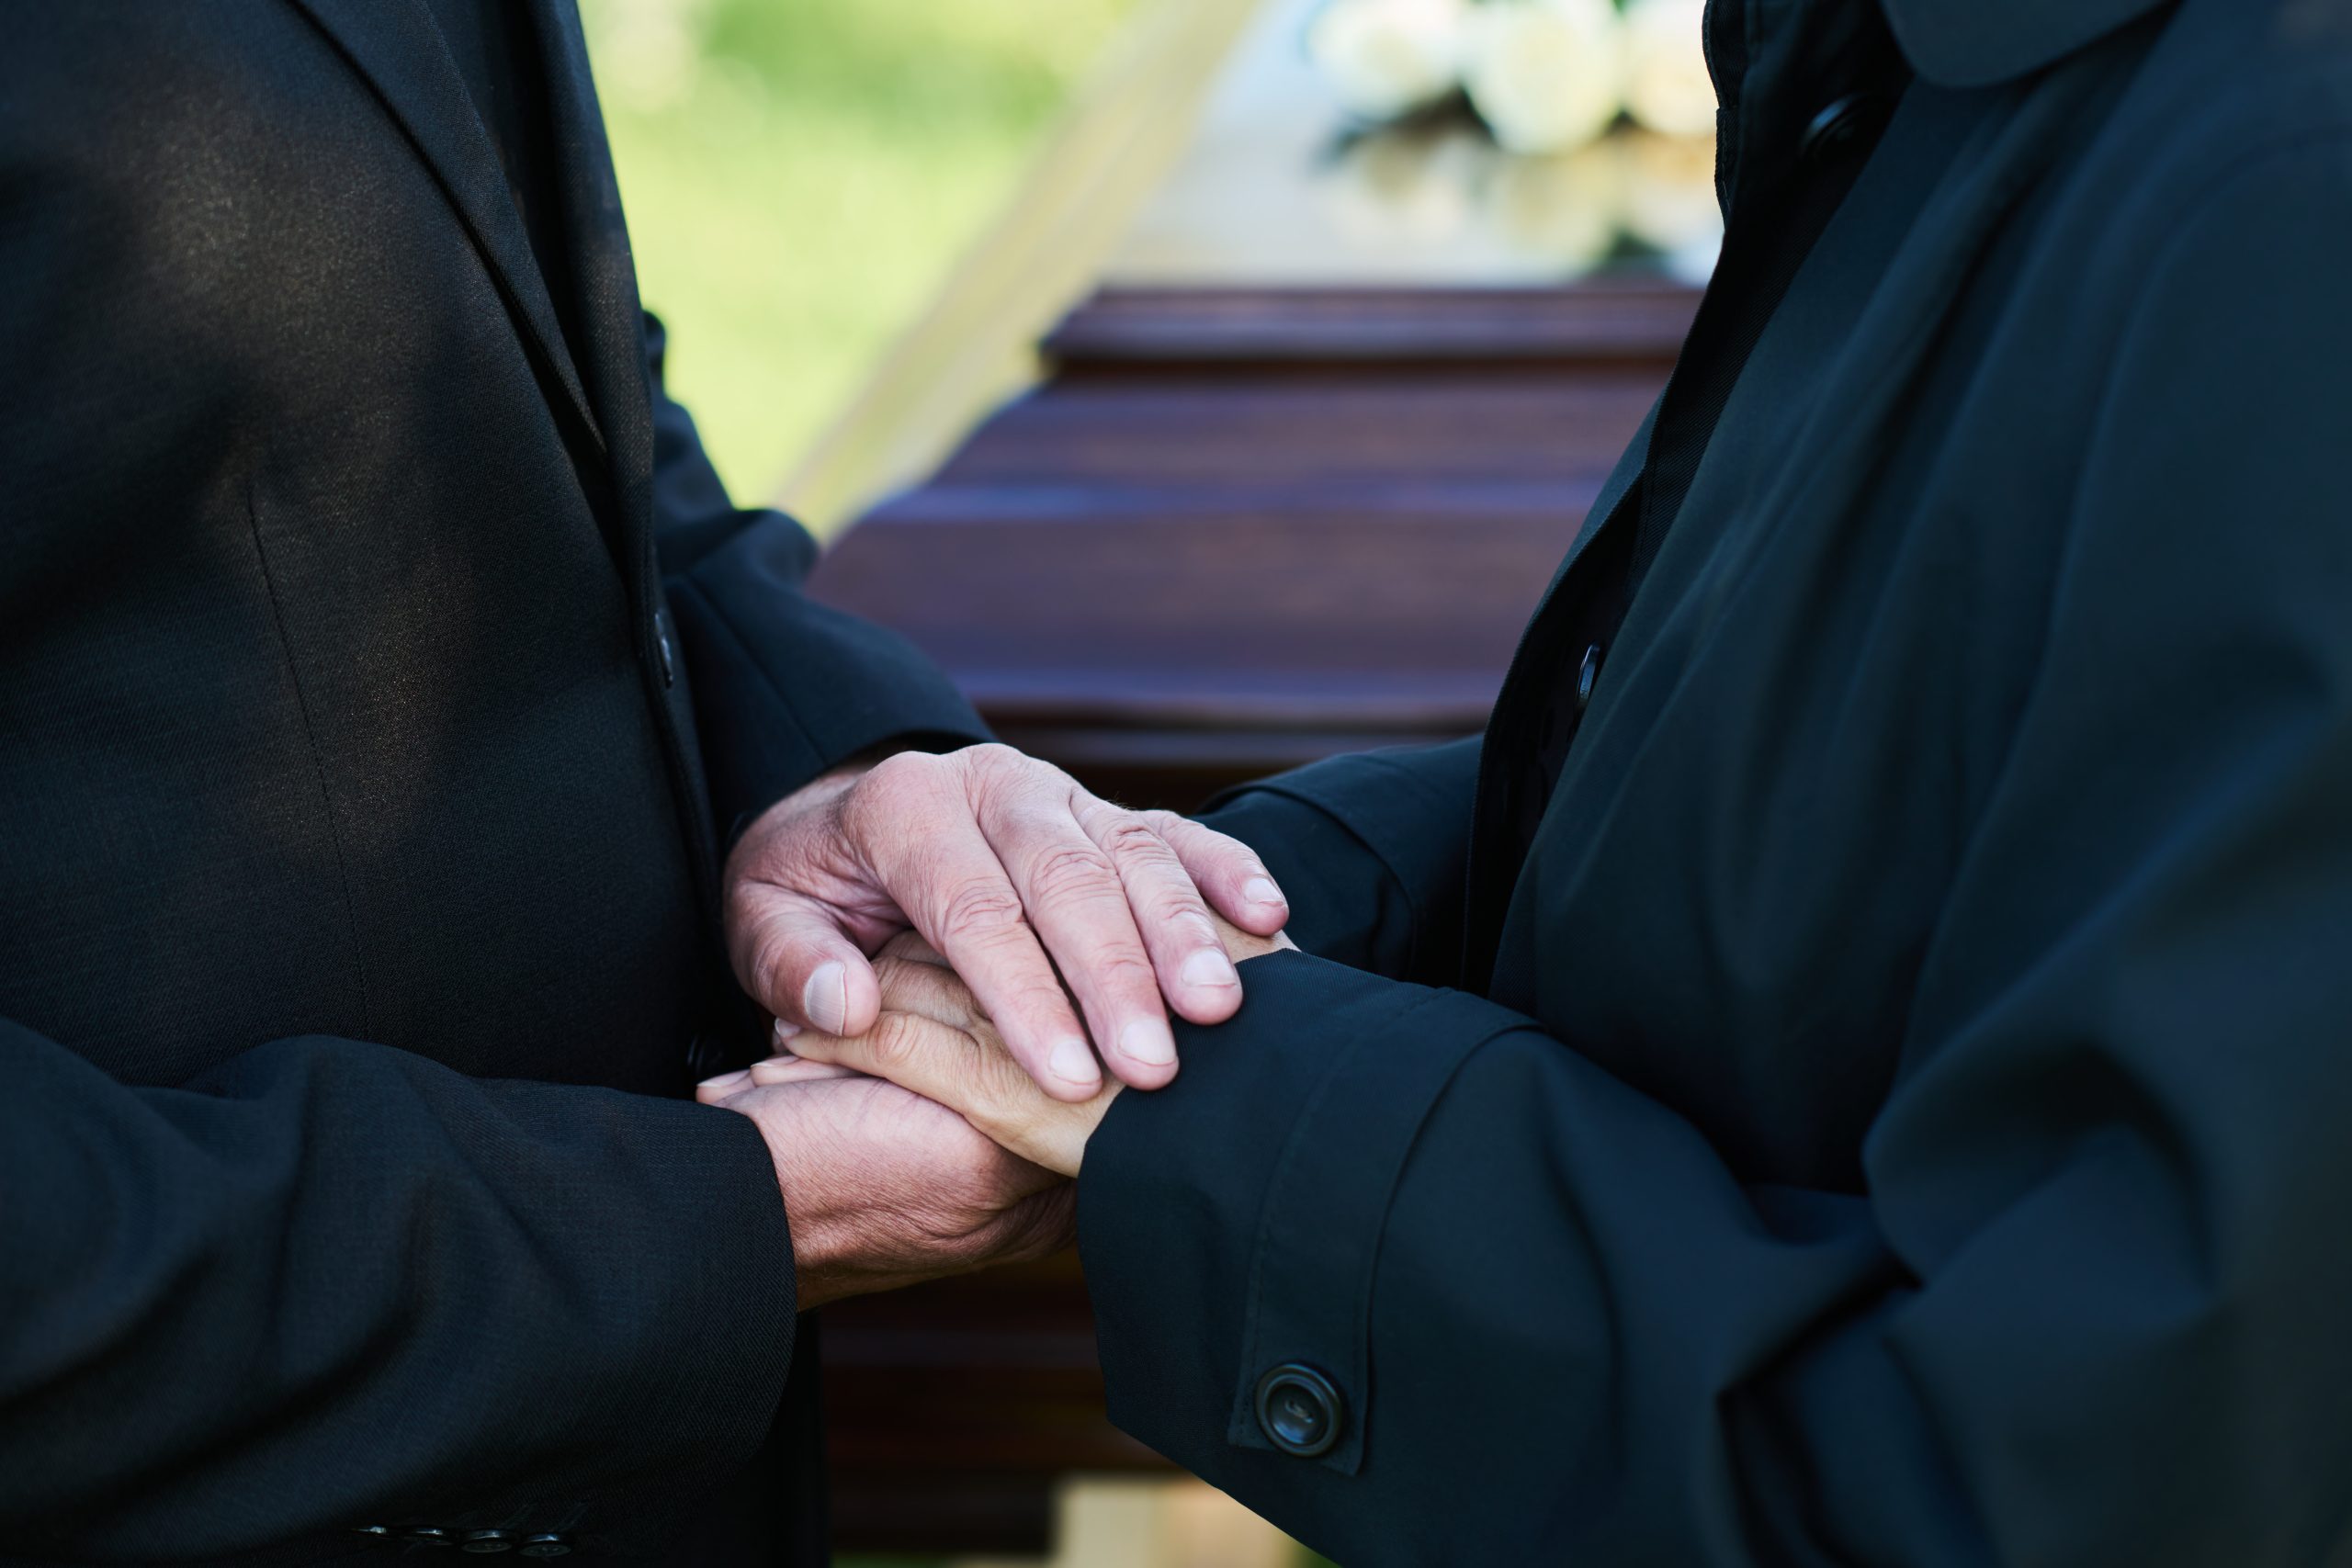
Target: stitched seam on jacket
(318,765)
(1365,1288)
(1294,1142)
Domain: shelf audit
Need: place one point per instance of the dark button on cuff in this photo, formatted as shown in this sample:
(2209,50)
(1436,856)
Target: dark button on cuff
(429,1537)
(546,1546)
(661,649)
(1838,127)
(1299,1411)
(487,1541)
(705,1054)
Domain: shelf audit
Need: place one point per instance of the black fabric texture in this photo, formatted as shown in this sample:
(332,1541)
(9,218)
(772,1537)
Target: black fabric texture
(358,876)
(1889,1108)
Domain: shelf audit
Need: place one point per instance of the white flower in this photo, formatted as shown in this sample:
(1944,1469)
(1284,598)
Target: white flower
(1666,85)
(1385,58)
(1562,207)
(1545,73)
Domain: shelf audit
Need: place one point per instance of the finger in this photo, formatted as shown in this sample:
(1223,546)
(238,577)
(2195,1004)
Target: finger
(932,1059)
(726,1085)
(1195,976)
(933,991)
(951,883)
(794,1069)
(911,946)
(1079,906)
(975,1078)
(793,958)
(1227,872)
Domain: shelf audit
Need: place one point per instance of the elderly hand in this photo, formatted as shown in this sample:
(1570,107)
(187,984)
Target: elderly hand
(884,1188)
(1000,861)
(936,1039)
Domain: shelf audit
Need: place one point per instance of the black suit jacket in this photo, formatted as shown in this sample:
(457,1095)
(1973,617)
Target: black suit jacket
(377,671)
(1864,1079)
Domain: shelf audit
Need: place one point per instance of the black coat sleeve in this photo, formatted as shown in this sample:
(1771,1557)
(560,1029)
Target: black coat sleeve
(784,687)
(1372,849)
(328,1285)
(2087,1308)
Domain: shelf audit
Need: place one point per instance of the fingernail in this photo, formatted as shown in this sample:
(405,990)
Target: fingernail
(1073,1063)
(1262,890)
(826,998)
(785,1033)
(1211,969)
(1147,1041)
(726,1081)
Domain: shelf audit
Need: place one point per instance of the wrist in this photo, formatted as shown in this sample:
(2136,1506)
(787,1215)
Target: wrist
(821,1240)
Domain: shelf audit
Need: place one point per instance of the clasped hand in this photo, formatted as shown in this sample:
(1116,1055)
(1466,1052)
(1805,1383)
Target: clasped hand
(936,1065)
(1050,905)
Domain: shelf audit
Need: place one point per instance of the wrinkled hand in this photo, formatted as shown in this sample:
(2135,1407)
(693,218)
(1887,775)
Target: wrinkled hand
(936,1039)
(884,1188)
(998,860)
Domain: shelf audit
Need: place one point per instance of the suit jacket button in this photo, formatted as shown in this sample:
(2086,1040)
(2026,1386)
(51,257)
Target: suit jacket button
(704,1056)
(427,1536)
(487,1541)
(546,1546)
(1588,677)
(1299,1411)
(1838,127)
(669,661)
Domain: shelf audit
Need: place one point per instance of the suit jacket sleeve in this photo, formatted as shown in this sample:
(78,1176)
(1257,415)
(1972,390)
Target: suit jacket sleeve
(2088,1306)
(784,687)
(1372,849)
(329,1285)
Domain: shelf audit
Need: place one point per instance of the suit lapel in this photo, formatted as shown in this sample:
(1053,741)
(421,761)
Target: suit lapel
(612,330)
(611,322)
(395,46)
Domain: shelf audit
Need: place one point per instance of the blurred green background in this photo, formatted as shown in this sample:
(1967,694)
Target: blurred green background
(801,175)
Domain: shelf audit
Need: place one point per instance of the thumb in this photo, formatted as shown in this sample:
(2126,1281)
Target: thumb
(793,958)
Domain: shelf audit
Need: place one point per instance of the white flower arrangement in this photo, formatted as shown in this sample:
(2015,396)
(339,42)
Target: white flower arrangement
(1544,76)
(1666,85)
(1389,58)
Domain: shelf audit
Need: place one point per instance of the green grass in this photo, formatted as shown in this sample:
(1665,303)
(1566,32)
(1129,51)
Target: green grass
(801,175)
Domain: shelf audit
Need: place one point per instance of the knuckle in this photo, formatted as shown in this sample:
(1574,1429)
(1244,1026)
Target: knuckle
(890,787)
(1125,971)
(893,975)
(769,962)
(1036,1002)
(980,912)
(1179,911)
(1130,837)
(1005,785)
(896,1040)
(993,762)
(1075,872)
